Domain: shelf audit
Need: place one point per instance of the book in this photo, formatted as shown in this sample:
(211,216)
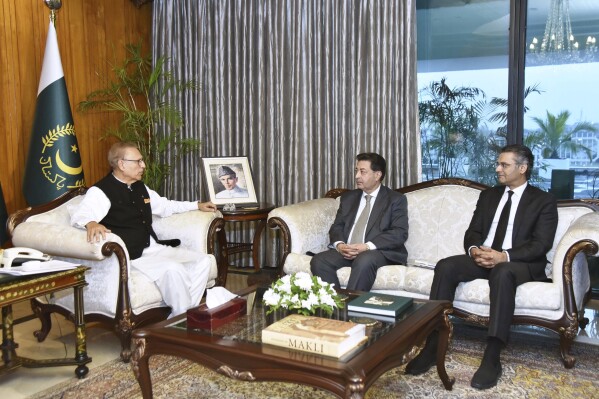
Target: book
(355,316)
(423,263)
(316,335)
(380,304)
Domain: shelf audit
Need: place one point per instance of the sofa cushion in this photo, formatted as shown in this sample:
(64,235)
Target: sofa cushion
(439,217)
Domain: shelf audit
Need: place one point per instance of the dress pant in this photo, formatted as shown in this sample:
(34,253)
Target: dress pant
(503,279)
(363,268)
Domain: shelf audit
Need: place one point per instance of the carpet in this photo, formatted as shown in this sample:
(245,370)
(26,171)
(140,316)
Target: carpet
(532,368)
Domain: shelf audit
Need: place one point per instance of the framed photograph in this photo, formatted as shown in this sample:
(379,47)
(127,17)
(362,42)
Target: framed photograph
(229,181)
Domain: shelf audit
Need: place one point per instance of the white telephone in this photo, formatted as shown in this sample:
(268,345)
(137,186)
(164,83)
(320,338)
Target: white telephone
(17,255)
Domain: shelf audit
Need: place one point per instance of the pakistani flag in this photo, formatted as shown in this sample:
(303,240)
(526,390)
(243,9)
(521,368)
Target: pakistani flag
(53,163)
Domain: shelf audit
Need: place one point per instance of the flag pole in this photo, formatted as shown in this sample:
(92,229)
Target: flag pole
(54,6)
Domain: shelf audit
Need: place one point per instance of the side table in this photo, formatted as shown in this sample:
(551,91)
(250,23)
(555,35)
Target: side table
(17,289)
(258,214)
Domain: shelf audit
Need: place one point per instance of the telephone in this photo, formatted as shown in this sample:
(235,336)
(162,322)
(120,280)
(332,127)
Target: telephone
(18,255)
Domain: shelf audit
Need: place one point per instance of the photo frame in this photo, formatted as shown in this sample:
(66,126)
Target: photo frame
(229,181)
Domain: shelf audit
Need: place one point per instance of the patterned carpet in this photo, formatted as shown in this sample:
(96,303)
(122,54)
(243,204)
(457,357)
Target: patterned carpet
(532,368)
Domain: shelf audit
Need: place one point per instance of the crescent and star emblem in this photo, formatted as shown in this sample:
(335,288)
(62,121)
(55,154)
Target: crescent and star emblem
(57,175)
(66,168)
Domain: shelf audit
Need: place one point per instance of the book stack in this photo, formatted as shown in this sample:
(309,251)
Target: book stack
(379,306)
(315,335)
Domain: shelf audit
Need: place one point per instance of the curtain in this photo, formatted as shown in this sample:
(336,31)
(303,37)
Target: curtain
(300,87)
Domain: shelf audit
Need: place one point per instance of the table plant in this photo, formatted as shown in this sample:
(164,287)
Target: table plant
(302,293)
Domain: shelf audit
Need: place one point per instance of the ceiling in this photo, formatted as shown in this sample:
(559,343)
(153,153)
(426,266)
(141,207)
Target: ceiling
(449,29)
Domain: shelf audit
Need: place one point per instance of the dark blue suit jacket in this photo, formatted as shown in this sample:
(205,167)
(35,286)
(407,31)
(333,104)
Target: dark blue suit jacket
(534,229)
(387,226)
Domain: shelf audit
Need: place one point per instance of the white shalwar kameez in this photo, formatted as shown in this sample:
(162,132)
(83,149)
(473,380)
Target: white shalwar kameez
(180,274)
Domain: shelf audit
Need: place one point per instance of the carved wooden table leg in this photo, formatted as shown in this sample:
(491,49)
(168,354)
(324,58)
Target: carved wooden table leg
(444,337)
(8,342)
(141,367)
(81,349)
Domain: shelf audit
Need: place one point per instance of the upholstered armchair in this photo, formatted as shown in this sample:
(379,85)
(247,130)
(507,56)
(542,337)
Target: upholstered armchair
(116,295)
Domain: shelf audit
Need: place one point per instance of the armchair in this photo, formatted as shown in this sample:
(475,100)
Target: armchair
(116,295)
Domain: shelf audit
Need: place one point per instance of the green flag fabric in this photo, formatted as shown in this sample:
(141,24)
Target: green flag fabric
(3,218)
(53,162)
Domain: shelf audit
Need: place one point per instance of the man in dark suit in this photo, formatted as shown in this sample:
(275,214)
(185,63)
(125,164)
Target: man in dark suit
(369,231)
(511,231)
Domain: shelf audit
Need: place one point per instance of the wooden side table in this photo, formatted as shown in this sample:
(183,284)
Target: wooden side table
(16,289)
(258,214)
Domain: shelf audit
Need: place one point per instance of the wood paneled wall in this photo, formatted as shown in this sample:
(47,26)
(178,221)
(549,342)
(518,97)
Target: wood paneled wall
(91,36)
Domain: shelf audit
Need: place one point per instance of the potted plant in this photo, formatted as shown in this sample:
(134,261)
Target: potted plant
(303,294)
(143,95)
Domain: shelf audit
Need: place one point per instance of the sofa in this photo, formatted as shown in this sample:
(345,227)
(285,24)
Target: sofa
(439,214)
(117,296)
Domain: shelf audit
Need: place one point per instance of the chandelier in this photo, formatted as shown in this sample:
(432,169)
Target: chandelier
(559,46)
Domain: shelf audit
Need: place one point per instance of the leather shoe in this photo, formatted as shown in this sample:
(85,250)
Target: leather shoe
(423,362)
(486,376)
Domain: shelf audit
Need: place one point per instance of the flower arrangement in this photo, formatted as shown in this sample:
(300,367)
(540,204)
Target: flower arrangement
(302,293)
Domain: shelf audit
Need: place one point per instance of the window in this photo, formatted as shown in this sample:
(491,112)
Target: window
(562,121)
(463,69)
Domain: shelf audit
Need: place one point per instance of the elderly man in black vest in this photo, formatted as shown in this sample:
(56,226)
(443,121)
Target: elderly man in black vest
(122,204)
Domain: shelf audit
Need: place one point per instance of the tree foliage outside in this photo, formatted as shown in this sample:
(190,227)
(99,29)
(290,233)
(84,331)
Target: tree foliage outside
(143,94)
(457,143)
(449,119)
(554,135)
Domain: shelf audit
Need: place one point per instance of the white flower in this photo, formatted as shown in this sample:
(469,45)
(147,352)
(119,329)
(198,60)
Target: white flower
(271,298)
(304,281)
(312,300)
(285,287)
(327,299)
(295,300)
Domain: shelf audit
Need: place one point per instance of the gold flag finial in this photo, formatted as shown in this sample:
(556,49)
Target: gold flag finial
(54,6)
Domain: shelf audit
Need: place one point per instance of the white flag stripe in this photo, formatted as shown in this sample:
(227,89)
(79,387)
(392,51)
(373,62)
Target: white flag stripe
(52,66)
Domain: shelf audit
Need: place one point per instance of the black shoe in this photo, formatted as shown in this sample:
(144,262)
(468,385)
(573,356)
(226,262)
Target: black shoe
(427,356)
(487,375)
(423,362)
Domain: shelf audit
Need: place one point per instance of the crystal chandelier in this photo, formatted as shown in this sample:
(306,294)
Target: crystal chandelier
(559,46)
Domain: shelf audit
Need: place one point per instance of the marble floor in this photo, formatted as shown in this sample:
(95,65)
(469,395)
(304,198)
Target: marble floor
(103,346)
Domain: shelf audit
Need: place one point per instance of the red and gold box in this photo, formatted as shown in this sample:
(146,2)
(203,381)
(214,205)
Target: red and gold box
(209,319)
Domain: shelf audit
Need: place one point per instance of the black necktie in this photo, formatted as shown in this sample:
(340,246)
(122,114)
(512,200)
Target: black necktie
(502,224)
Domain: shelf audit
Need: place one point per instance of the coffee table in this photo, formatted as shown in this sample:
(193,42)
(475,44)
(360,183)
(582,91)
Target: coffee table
(235,350)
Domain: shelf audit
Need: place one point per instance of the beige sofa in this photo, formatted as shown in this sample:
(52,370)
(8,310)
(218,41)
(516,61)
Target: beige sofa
(439,214)
(116,295)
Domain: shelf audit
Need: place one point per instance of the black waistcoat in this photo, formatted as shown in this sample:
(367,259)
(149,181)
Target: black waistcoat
(130,214)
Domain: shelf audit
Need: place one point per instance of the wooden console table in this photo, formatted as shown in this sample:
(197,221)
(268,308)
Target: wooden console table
(17,289)
(258,214)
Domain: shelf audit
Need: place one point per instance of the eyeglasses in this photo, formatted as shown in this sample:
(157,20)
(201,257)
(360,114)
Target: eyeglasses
(503,165)
(139,161)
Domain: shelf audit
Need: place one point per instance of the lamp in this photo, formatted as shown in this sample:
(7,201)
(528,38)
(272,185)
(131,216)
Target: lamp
(559,46)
